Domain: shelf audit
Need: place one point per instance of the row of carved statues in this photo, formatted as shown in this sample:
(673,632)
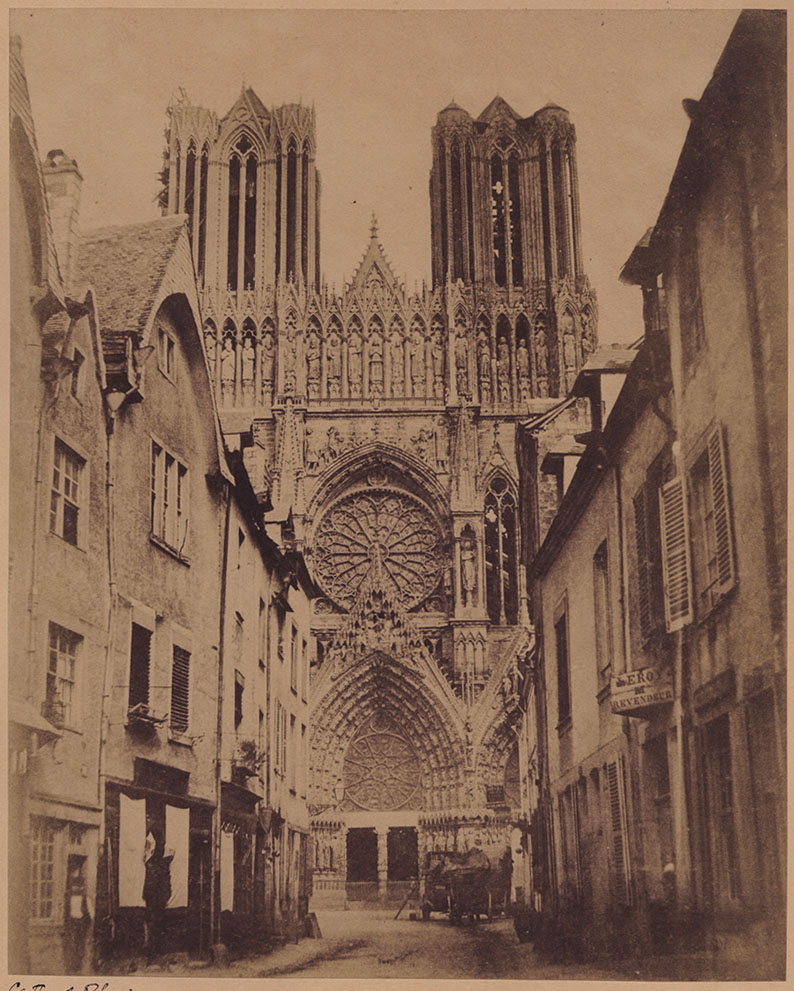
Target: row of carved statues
(497,367)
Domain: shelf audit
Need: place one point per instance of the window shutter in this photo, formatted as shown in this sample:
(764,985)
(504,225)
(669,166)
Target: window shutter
(675,555)
(180,690)
(618,830)
(644,591)
(718,475)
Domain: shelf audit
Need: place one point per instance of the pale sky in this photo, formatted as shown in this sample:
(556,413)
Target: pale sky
(101,79)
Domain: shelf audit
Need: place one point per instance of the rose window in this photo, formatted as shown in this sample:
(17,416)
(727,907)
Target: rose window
(381,768)
(390,533)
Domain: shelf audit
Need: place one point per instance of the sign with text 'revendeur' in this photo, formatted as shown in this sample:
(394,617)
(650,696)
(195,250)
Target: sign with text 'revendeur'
(637,690)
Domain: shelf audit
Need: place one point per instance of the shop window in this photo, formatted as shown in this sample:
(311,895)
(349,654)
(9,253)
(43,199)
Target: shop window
(66,494)
(180,690)
(61,675)
(42,869)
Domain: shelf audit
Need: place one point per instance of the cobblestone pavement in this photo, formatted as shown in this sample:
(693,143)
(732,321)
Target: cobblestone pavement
(374,945)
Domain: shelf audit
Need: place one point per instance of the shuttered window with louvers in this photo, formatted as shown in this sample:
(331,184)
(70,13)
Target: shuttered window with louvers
(721,512)
(675,555)
(180,690)
(618,828)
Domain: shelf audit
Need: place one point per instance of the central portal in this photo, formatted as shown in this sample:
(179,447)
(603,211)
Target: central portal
(362,865)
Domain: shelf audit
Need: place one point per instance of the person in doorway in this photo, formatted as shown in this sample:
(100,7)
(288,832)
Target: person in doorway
(77,915)
(156,890)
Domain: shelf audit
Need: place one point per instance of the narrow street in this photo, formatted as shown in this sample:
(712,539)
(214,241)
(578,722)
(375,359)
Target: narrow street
(375,945)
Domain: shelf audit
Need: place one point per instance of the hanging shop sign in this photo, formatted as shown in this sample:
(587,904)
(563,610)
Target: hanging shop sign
(633,692)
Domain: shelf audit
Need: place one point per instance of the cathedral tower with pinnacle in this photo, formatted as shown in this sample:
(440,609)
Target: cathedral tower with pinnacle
(382,422)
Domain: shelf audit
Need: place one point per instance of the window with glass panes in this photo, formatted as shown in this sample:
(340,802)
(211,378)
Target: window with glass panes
(169,498)
(65,493)
(42,869)
(61,673)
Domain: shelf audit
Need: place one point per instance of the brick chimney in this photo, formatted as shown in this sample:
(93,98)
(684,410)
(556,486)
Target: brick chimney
(63,183)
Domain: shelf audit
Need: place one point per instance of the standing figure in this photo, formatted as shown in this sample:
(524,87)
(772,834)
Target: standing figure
(313,366)
(542,360)
(484,364)
(354,364)
(247,366)
(503,370)
(461,366)
(468,570)
(156,891)
(77,913)
(334,365)
(228,363)
(417,359)
(568,350)
(290,357)
(522,366)
(437,355)
(210,346)
(268,367)
(375,366)
(588,334)
(397,369)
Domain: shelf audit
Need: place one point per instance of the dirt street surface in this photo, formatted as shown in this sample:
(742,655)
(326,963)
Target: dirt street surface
(374,945)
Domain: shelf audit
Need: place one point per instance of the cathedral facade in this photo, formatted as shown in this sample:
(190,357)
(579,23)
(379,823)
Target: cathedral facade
(382,424)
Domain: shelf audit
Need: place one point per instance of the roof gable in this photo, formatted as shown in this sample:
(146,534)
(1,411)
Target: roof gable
(374,273)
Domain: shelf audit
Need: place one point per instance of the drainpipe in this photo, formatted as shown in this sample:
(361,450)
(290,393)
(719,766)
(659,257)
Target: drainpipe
(215,915)
(113,402)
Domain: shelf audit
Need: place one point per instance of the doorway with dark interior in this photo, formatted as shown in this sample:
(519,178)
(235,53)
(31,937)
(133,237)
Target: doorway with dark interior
(362,864)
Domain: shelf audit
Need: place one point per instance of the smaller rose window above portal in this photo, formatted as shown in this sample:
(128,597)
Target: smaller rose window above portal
(381,768)
(391,534)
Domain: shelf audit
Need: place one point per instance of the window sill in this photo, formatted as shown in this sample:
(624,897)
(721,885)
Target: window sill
(172,551)
(181,739)
(63,540)
(717,606)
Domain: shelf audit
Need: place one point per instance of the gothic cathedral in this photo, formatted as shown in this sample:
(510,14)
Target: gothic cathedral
(384,422)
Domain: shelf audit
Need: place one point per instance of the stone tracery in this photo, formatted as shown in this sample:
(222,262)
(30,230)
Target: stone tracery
(390,532)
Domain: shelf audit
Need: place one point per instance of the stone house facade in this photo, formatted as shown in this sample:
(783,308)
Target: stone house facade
(697,814)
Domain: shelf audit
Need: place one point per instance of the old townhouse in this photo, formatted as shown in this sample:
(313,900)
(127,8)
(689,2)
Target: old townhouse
(713,276)
(143,591)
(58,596)
(265,677)
(659,588)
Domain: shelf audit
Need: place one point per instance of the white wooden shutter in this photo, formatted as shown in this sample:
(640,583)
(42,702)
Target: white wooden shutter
(718,476)
(675,555)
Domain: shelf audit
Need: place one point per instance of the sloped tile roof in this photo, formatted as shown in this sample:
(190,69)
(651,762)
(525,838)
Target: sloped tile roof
(126,265)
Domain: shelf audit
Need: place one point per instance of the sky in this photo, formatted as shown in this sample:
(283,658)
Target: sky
(100,81)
